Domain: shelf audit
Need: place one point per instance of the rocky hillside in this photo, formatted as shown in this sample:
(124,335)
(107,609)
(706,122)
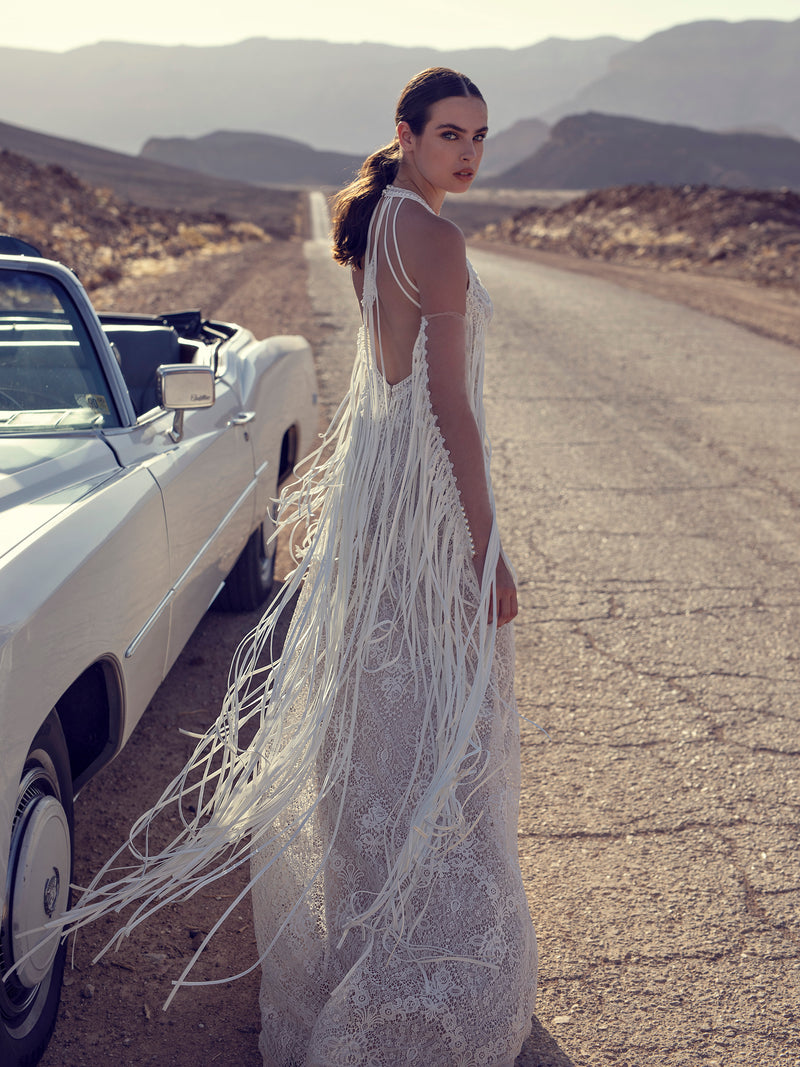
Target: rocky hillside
(154,184)
(592,151)
(747,234)
(99,235)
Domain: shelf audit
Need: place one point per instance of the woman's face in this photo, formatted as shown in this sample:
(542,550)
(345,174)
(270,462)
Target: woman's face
(449,150)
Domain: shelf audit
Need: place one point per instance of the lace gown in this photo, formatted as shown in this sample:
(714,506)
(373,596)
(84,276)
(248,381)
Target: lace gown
(377,800)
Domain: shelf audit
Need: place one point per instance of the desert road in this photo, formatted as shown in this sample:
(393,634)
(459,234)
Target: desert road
(646,461)
(647,466)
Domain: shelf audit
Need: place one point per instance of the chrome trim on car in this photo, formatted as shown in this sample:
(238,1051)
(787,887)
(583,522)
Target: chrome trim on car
(242,418)
(131,649)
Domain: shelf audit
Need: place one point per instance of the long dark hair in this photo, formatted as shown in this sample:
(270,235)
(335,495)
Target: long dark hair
(353,206)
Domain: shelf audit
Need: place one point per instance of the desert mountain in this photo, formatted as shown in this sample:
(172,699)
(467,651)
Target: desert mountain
(712,74)
(153,184)
(337,97)
(593,151)
(511,146)
(254,157)
(267,160)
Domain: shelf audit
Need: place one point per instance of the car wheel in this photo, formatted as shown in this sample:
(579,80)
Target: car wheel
(250,582)
(37,890)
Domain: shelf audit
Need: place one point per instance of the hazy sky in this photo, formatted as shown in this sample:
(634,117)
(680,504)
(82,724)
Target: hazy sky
(58,25)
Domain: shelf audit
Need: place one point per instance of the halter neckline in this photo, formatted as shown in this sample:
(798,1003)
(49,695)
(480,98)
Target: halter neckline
(396,190)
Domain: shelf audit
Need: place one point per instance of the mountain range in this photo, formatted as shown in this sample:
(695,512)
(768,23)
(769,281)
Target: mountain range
(213,119)
(229,171)
(712,74)
(336,97)
(340,97)
(593,151)
(154,184)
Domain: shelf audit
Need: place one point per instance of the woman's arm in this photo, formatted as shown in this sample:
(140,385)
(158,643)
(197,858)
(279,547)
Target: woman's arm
(442,279)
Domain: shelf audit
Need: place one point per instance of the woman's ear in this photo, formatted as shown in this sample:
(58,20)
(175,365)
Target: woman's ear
(405,136)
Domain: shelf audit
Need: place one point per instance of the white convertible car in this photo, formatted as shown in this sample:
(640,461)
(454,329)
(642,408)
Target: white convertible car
(139,457)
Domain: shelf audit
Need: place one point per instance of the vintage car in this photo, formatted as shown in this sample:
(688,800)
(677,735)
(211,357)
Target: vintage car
(139,459)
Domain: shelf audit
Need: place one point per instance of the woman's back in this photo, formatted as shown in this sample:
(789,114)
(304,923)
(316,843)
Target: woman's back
(407,241)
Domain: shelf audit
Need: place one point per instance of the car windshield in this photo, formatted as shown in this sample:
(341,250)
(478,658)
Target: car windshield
(51,379)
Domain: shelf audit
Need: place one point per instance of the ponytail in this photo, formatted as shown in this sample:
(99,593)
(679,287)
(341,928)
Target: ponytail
(353,206)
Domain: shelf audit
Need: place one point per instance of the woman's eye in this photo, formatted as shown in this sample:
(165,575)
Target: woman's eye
(480,137)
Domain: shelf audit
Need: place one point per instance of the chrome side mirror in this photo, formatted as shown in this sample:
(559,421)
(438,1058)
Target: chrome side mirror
(184,387)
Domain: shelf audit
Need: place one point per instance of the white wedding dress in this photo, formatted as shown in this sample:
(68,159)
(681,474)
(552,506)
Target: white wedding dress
(414,944)
(378,801)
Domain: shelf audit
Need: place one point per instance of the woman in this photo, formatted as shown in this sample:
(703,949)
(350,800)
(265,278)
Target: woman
(378,800)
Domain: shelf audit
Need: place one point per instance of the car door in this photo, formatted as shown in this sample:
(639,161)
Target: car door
(207,484)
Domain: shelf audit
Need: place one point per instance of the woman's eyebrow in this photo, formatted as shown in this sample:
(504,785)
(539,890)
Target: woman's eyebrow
(458,129)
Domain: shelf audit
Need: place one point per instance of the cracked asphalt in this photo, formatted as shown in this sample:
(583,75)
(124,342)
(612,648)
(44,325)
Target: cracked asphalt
(647,468)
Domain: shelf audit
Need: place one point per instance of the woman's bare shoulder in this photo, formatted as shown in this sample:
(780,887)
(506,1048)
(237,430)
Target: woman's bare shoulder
(429,241)
(424,221)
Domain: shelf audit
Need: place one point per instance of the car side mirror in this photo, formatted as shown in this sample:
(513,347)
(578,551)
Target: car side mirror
(184,387)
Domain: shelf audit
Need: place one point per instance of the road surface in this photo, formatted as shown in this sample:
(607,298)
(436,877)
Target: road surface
(647,465)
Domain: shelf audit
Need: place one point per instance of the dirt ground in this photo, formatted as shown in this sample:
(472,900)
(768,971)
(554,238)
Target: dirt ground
(111,1012)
